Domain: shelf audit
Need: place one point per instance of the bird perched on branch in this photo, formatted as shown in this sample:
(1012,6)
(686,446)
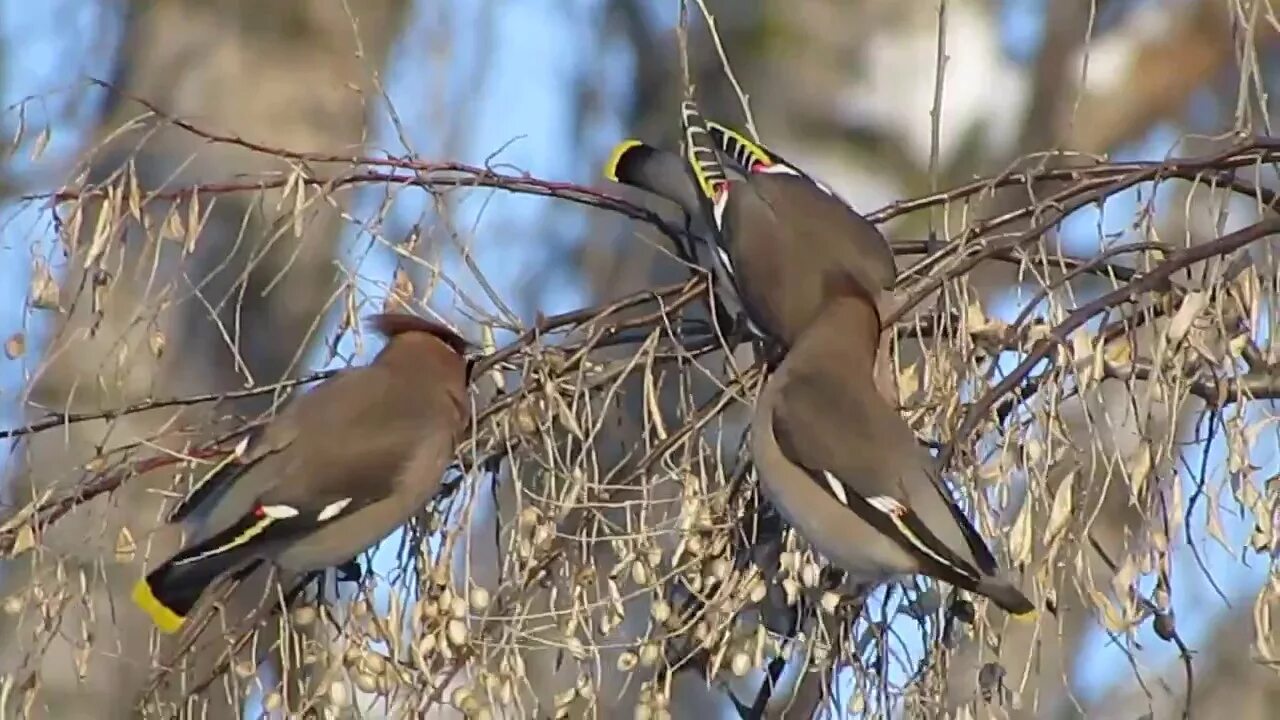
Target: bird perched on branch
(769,220)
(834,456)
(844,468)
(339,469)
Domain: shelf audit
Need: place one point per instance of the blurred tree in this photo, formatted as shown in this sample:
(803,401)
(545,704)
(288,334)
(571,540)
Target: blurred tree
(233,298)
(568,617)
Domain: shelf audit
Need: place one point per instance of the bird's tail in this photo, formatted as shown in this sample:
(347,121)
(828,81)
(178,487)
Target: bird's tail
(168,593)
(701,152)
(1007,596)
(747,153)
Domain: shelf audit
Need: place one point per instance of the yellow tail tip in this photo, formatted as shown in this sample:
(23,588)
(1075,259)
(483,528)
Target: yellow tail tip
(168,621)
(1029,616)
(615,157)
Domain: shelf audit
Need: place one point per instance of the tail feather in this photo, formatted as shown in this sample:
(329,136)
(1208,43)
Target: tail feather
(1009,598)
(701,152)
(168,593)
(746,153)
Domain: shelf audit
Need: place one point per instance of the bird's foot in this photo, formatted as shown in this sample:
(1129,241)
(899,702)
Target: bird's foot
(349,571)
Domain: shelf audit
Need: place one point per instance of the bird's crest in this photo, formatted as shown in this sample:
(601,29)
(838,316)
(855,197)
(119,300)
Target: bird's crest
(390,325)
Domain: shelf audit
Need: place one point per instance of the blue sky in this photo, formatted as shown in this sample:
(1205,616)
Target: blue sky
(521,100)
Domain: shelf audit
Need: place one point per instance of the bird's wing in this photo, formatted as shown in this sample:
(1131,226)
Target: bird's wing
(865,457)
(757,159)
(327,471)
(257,445)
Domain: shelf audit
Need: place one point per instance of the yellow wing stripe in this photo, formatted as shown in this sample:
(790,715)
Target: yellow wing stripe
(740,148)
(700,150)
(244,537)
(168,621)
(615,157)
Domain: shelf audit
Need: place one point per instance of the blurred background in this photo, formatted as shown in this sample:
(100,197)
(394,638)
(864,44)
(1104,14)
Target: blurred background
(843,88)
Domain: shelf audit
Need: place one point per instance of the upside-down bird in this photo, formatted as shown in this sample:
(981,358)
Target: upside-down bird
(770,220)
(833,455)
(335,472)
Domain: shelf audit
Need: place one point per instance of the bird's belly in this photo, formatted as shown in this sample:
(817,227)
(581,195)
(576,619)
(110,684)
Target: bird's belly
(834,530)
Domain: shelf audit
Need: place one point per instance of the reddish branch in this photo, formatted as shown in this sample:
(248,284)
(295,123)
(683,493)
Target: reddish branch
(1073,189)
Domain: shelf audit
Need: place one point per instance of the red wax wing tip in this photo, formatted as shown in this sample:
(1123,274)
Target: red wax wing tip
(259,511)
(760,165)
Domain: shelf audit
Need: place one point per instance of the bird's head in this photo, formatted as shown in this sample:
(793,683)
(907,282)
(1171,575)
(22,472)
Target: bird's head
(392,325)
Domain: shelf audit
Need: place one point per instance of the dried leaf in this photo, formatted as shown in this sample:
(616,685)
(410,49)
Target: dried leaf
(1119,352)
(1060,513)
(156,342)
(43,289)
(1112,617)
(1081,348)
(41,143)
(16,346)
(1192,305)
(23,540)
(908,382)
(172,227)
(1039,331)
(1213,523)
(1140,465)
(1020,536)
(975,319)
(126,548)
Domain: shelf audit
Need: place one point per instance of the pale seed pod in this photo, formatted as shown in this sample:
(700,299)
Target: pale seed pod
(460,696)
(649,654)
(627,661)
(458,607)
(426,645)
(13,604)
(339,695)
(304,616)
(660,611)
(639,573)
(366,682)
(457,632)
(810,575)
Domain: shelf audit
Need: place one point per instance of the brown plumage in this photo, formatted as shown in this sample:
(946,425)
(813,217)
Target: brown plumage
(843,467)
(772,222)
(339,469)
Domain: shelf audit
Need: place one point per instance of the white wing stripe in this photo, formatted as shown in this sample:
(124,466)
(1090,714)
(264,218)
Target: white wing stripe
(837,488)
(333,509)
(895,510)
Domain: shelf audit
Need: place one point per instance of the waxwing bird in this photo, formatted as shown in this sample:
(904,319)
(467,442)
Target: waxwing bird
(784,234)
(777,230)
(335,472)
(844,469)
(665,174)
